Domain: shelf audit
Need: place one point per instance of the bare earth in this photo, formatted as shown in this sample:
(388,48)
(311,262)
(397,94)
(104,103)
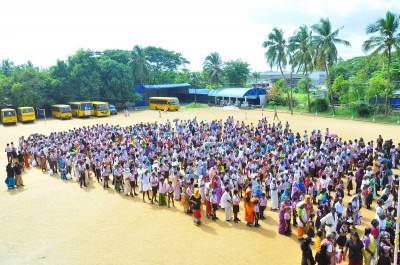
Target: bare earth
(50,221)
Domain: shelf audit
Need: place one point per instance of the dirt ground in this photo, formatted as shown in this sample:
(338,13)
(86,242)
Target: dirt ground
(50,221)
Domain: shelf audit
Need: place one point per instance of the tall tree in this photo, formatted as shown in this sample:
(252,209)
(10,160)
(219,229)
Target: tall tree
(277,53)
(213,66)
(326,56)
(256,76)
(302,47)
(236,73)
(7,67)
(164,64)
(140,64)
(386,40)
(117,82)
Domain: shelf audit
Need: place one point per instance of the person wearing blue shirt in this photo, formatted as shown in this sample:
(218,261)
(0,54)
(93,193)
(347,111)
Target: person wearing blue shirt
(62,168)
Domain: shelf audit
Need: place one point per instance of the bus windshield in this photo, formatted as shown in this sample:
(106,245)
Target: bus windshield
(174,101)
(65,109)
(27,110)
(9,113)
(102,107)
(86,106)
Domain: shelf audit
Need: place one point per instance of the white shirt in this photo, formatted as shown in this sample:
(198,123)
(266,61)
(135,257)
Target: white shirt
(331,220)
(224,200)
(339,208)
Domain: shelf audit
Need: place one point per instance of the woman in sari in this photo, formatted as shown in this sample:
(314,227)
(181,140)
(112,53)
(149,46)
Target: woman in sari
(43,161)
(309,206)
(285,202)
(195,200)
(26,158)
(10,180)
(248,208)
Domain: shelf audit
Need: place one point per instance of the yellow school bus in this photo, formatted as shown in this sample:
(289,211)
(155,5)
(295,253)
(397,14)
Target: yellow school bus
(100,109)
(166,103)
(8,116)
(61,111)
(81,108)
(26,114)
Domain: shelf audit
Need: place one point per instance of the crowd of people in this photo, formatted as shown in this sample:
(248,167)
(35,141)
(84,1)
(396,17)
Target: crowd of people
(304,177)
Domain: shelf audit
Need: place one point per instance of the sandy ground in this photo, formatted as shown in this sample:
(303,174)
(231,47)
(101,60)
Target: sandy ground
(50,221)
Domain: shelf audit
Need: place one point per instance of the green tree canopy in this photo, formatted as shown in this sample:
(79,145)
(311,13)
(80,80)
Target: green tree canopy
(236,73)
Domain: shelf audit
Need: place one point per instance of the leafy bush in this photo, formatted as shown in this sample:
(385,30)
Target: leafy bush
(379,108)
(319,104)
(276,94)
(362,109)
(272,103)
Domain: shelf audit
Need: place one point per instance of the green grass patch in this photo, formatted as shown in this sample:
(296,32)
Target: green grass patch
(194,105)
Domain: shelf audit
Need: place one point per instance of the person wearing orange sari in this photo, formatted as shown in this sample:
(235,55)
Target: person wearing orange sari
(249,208)
(26,158)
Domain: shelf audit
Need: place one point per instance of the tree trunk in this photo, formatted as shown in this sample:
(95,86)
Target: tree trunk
(330,88)
(291,93)
(284,79)
(308,91)
(388,86)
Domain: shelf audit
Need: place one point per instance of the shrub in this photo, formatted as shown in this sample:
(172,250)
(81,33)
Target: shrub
(362,109)
(319,104)
(272,103)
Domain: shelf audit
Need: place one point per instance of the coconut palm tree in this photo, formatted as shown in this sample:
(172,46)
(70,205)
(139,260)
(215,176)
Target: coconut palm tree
(301,46)
(326,53)
(256,76)
(277,53)
(384,42)
(140,64)
(213,66)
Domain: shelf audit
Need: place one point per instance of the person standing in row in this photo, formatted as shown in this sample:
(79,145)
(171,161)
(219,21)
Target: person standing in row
(226,203)
(236,200)
(195,201)
(132,181)
(82,175)
(170,192)
(154,187)
(144,184)
(106,176)
(162,190)
(53,161)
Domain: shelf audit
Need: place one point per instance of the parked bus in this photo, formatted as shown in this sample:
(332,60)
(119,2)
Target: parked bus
(8,116)
(61,111)
(26,114)
(164,103)
(81,108)
(100,109)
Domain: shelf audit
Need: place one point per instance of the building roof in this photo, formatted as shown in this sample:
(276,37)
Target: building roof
(166,86)
(237,92)
(199,91)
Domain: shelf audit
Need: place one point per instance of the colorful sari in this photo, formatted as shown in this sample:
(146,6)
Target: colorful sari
(161,199)
(248,208)
(282,223)
(309,206)
(195,199)
(26,159)
(10,182)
